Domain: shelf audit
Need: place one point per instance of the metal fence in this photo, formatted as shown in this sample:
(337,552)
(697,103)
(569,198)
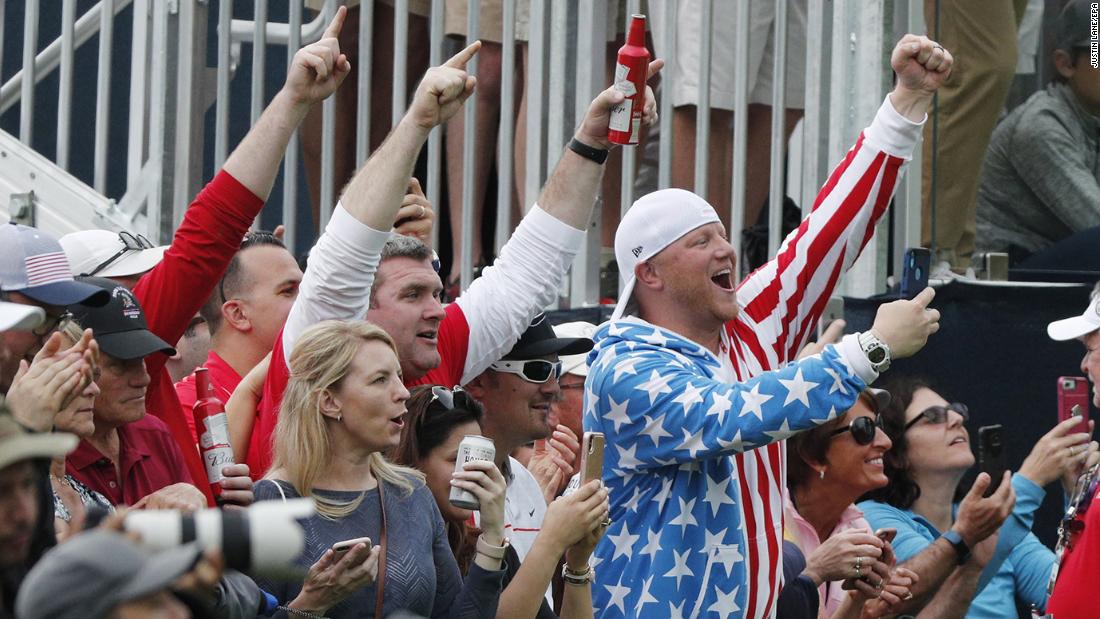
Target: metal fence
(847,72)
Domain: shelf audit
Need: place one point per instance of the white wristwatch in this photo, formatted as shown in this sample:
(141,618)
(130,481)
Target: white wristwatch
(878,353)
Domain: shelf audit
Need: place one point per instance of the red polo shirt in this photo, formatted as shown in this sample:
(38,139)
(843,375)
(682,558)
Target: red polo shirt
(149,459)
(1074,595)
(222,376)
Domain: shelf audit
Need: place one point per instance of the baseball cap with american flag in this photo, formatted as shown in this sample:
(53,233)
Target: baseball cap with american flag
(33,263)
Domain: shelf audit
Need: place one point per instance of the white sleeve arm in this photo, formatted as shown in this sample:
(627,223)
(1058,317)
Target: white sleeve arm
(892,133)
(522,281)
(852,354)
(338,281)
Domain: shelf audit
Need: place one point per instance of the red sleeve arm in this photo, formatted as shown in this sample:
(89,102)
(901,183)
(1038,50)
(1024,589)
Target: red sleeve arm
(204,244)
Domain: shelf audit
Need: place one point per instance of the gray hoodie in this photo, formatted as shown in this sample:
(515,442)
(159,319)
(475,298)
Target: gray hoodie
(1041,177)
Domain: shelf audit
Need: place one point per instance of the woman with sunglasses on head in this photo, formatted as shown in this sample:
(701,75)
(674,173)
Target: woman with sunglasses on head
(828,468)
(438,419)
(970,564)
(343,408)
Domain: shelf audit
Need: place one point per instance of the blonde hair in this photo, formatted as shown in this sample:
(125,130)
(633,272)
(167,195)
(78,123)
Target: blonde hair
(303,444)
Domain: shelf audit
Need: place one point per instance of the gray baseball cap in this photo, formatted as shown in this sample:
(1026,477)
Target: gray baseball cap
(89,575)
(1073,26)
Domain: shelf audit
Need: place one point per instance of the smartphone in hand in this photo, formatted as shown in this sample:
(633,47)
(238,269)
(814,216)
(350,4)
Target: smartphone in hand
(592,445)
(991,456)
(1073,401)
(341,547)
(886,535)
(914,271)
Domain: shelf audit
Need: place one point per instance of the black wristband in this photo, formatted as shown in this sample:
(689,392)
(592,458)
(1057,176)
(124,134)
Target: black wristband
(598,155)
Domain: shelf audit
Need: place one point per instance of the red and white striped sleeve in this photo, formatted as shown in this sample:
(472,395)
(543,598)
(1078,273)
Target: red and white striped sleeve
(782,300)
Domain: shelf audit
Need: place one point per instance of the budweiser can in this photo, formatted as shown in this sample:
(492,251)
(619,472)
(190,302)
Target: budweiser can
(472,447)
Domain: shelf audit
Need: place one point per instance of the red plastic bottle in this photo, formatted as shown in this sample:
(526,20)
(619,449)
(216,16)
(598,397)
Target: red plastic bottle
(630,78)
(212,425)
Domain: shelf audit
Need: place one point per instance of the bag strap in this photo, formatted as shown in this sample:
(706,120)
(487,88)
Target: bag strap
(381,582)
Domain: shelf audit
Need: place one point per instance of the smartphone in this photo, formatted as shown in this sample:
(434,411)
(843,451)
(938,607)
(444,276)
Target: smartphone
(1073,400)
(886,535)
(991,455)
(592,445)
(348,544)
(914,271)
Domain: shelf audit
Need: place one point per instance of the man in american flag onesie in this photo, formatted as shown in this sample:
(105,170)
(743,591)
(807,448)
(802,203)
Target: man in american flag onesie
(695,386)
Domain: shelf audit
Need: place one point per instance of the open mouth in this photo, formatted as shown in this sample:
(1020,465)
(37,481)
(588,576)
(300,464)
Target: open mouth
(399,421)
(957,440)
(429,336)
(876,461)
(723,279)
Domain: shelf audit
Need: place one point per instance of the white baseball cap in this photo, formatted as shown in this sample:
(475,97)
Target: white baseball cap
(19,317)
(575,364)
(654,222)
(110,254)
(1076,326)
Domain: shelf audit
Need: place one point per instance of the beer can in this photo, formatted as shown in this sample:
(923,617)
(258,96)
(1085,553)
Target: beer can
(472,447)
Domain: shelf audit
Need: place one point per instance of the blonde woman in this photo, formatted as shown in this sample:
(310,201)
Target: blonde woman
(343,407)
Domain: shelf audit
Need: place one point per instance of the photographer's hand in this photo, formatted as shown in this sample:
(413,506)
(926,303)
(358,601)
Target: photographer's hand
(333,578)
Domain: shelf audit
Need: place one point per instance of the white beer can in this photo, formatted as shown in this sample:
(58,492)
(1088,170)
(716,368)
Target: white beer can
(472,447)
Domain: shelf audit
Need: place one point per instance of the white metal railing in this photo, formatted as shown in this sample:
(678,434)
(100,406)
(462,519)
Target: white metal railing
(846,71)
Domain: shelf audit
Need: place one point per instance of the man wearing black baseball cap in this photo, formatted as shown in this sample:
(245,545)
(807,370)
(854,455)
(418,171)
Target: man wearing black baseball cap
(132,457)
(35,273)
(516,392)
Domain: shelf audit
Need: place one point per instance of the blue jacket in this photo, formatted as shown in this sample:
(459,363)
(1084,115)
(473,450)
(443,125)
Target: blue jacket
(1020,566)
(672,428)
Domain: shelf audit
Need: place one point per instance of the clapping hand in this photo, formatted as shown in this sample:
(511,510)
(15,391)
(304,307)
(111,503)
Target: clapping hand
(44,387)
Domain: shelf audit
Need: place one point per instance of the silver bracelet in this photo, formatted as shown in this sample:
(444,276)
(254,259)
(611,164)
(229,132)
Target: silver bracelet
(300,613)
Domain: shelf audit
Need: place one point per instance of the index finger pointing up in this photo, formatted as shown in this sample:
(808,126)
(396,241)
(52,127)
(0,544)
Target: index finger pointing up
(337,23)
(924,297)
(459,60)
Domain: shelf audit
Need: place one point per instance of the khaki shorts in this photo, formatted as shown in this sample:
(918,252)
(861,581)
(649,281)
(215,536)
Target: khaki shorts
(490,19)
(422,8)
(684,68)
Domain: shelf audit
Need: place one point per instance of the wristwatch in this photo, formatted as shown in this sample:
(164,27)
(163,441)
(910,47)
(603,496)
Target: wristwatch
(878,353)
(962,551)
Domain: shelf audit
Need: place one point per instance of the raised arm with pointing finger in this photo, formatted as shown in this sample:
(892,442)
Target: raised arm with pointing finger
(435,345)
(212,228)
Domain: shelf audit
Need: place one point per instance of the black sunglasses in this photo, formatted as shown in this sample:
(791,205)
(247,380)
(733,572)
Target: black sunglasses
(534,371)
(938,414)
(130,242)
(862,428)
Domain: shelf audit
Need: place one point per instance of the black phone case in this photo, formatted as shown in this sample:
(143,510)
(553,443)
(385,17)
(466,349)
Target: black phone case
(991,455)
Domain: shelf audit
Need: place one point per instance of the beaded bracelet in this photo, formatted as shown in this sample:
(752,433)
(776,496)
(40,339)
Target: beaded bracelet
(301,613)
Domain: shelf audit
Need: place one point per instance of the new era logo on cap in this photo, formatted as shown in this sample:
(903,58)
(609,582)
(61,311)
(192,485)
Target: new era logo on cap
(637,251)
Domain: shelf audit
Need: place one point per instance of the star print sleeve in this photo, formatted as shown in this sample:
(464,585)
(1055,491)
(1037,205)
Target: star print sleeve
(784,299)
(658,410)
